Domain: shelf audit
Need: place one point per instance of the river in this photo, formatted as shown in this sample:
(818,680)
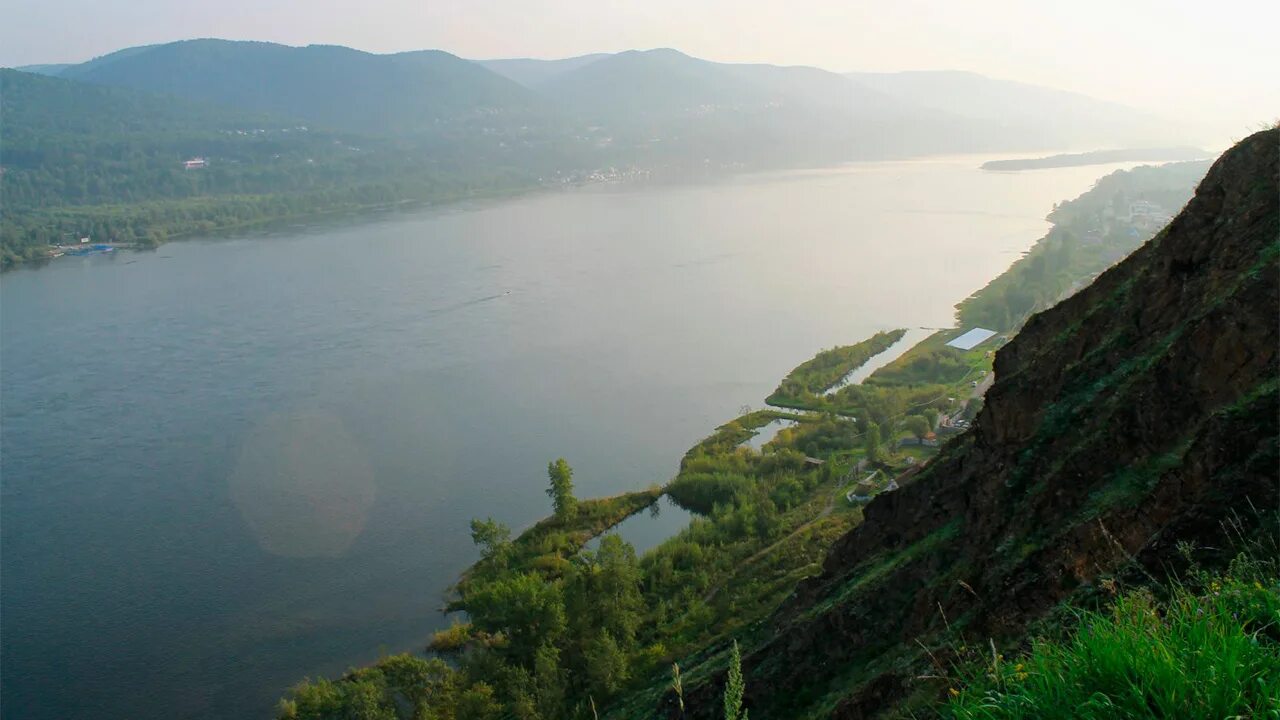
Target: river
(232,462)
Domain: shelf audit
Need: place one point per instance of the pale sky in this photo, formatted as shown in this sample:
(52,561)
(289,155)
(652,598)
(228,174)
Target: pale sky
(1201,60)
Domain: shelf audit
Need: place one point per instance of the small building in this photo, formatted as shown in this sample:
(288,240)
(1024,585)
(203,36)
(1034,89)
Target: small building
(971,338)
(198,163)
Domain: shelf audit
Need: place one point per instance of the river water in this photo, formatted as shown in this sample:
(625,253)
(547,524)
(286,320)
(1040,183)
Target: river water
(233,462)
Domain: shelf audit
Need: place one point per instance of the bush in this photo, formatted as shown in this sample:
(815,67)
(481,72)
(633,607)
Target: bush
(701,492)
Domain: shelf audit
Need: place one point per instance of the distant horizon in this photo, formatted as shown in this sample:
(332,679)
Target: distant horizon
(1214,144)
(1210,66)
(838,71)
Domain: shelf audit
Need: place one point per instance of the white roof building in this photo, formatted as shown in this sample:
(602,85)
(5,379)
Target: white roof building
(971,339)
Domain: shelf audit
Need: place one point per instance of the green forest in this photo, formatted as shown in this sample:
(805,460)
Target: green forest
(1089,235)
(107,163)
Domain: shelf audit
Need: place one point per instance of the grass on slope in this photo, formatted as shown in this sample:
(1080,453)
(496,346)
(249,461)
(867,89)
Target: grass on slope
(1212,652)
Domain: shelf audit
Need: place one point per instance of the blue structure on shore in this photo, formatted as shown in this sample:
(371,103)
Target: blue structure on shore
(89,250)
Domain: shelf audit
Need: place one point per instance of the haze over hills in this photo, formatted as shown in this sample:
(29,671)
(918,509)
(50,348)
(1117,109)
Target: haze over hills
(358,91)
(1036,114)
(533,72)
(334,86)
(430,126)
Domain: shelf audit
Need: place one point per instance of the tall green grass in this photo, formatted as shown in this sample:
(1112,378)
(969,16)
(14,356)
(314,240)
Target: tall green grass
(1208,652)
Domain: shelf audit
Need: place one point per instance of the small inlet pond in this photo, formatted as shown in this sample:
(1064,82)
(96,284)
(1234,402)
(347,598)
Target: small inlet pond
(648,529)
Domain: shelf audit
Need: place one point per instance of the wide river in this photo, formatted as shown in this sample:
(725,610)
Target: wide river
(234,462)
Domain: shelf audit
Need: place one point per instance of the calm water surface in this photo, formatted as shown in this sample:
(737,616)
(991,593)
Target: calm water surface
(231,463)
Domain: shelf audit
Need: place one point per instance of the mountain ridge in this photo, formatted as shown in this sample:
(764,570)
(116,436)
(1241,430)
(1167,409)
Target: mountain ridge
(364,92)
(517,84)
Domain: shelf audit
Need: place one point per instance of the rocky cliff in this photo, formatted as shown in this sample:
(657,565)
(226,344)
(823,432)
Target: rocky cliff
(1138,414)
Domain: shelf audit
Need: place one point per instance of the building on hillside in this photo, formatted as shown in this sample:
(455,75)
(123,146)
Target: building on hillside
(971,338)
(198,163)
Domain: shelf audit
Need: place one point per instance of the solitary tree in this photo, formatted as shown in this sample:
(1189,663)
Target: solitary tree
(917,425)
(561,489)
(872,441)
(491,536)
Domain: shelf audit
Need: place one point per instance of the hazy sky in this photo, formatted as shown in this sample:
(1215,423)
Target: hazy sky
(1206,60)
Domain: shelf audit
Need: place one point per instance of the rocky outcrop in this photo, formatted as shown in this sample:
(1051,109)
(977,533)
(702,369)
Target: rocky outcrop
(1139,413)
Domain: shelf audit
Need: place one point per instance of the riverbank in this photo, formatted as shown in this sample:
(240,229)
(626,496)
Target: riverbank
(224,217)
(932,380)
(612,623)
(1099,157)
(207,348)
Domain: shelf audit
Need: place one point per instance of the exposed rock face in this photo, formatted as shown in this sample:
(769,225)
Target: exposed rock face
(1138,413)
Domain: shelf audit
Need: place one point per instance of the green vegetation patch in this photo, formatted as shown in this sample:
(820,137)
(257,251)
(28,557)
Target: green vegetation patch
(826,369)
(1212,652)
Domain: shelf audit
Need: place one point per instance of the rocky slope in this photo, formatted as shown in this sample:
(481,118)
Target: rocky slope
(1140,413)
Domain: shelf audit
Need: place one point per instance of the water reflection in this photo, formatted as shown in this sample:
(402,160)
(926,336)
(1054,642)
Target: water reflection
(766,433)
(647,529)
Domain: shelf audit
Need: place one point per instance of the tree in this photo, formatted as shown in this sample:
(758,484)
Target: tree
(561,489)
(478,703)
(734,687)
(602,592)
(524,608)
(549,682)
(490,535)
(606,665)
(872,441)
(917,425)
(932,416)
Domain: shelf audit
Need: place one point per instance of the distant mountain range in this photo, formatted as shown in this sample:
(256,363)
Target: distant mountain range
(661,94)
(295,130)
(333,86)
(1033,114)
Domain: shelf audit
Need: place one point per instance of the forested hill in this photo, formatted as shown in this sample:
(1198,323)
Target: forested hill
(1130,439)
(533,73)
(1030,114)
(109,163)
(330,86)
(799,115)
